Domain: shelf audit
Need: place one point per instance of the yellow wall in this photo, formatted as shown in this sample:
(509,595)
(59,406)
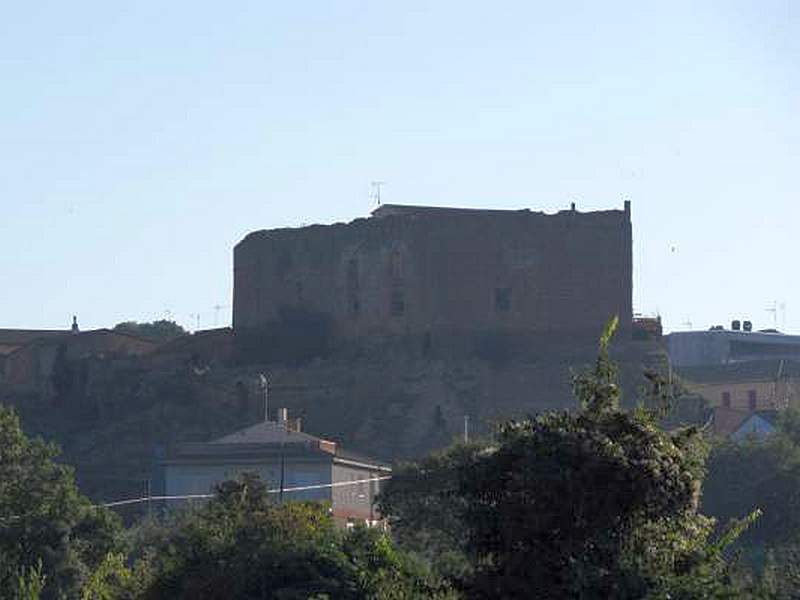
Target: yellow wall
(769,394)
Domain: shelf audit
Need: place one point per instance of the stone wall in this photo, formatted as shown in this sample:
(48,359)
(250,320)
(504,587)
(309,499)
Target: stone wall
(424,271)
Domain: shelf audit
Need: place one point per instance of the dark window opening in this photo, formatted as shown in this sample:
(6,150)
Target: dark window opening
(502,299)
(398,304)
(751,399)
(726,399)
(397,265)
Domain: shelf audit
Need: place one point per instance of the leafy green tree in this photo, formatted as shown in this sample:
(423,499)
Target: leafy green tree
(45,523)
(242,544)
(762,474)
(427,509)
(594,504)
(159,331)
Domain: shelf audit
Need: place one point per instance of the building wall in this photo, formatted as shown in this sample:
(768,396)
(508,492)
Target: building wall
(442,271)
(769,394)
(355,501)
(31,366)
(696,348)
(198,477)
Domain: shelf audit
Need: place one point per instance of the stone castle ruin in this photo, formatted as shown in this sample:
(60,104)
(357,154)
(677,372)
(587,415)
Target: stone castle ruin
(434,276)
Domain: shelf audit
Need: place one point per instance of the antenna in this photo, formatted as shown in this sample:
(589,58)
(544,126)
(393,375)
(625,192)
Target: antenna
(687,323)
(217,308)
(375,191)
(774,310)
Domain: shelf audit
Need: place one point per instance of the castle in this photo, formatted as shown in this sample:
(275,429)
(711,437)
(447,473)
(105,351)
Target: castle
(433,273)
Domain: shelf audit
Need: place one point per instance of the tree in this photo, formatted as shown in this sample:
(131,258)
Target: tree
(241,544)
(763,474)
(45,523)
(594,504)
(158,331)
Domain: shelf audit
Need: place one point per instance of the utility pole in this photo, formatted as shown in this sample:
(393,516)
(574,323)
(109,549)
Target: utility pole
(265,388)
(466,429)
(282,423)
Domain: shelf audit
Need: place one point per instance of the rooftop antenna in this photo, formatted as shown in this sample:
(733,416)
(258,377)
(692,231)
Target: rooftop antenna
(217,308)
(687,323)
(774,310)
(375,191)
(196,318)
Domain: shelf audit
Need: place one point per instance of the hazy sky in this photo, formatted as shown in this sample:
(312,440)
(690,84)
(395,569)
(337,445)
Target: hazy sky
(142,140)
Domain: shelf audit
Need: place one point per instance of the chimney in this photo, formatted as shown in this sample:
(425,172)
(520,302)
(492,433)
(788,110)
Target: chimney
(283,417)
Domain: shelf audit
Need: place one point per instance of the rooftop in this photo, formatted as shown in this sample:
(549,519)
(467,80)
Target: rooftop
(269,438)
(387,210)
(755,370)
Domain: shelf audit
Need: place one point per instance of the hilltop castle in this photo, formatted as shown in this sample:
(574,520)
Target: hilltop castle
(442,272)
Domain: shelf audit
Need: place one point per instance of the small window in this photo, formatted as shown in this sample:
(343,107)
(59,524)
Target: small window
(502,299)
(751,399)
(726,399)
(398,304)
(396,265)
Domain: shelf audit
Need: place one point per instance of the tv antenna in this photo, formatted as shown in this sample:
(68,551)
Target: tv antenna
(217,308)
(375,191)
(778,310)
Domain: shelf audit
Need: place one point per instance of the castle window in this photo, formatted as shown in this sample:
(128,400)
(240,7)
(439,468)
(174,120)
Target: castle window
(398,303)
(502,299)
(397,265)
(726,399)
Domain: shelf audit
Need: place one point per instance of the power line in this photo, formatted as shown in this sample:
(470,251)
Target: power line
(301,488)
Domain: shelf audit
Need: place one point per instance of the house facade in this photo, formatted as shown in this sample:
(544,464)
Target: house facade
(294,465)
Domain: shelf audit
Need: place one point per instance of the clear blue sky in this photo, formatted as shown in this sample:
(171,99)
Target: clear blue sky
(142,140)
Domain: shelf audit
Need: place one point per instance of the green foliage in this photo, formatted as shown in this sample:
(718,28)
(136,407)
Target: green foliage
(597,390)
(243,545)
(29,583)
(158,331)
(109,579)
(426,509)
(762,475)
(43,519)
(595,504)
(757,474)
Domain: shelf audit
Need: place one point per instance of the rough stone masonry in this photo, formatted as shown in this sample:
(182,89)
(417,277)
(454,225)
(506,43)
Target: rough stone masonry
(437,273)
